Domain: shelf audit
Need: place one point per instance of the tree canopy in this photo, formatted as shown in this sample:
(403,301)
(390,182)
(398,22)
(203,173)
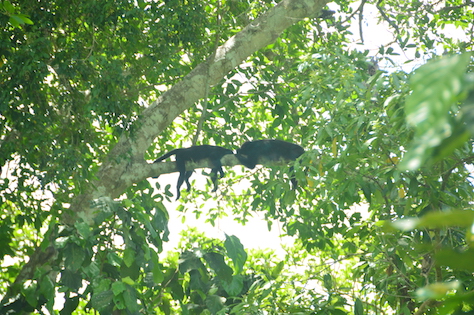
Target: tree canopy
(92,92)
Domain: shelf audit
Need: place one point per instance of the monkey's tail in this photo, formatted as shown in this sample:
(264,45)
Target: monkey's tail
(167,155)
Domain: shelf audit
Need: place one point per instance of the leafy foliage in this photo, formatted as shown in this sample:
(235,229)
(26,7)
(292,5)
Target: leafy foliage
(382,219)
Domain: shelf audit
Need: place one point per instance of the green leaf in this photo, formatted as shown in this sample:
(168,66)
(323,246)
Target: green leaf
(14,21)
(327,281)
(119,302)
(217,263)
(8,7)
(455,259)
(439,219)
(127,203)
(436,87)
(235,287)
(358,307)
(130,298)
(83,229)
(128,280)
(165,306)
(26,19)
(176,288)
(118,287)
(189,261)
(214,303)
(437,290)
(18,20)
(70,305)
(114,259)
(74,256)
(31,295)
(158,276)
(129,256)
(277,270)
(132,271)
(72,280)
(47,289)
(236,252)
(102,300)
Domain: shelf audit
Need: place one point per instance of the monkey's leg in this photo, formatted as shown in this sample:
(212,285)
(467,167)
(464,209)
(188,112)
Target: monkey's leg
(214,172)
(182,176)
(188,184)
(180,183)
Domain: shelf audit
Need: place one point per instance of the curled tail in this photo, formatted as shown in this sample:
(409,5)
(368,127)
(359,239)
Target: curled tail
(163,157)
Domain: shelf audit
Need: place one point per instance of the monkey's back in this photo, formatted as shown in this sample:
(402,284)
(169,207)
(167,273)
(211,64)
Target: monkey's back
(271,149)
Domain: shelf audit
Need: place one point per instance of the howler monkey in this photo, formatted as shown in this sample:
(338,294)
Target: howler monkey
(250,153)
(195,154)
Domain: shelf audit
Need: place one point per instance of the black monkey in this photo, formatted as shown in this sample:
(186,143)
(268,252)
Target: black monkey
(194,154)
(250,153)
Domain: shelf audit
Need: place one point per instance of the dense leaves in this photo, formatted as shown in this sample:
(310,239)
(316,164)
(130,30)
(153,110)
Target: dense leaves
(382,219)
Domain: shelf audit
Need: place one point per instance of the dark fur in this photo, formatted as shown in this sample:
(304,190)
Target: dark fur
(250,153)
(195,154)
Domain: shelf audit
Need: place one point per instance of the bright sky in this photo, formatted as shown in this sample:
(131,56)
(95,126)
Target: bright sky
(254,234)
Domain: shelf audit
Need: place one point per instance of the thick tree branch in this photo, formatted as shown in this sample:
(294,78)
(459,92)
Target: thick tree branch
(142,170)
(145,170)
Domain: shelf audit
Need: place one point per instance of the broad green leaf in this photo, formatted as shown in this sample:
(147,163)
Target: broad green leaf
(129,256)
(46,288)
(236,252)
(328,282)
(101,300)
(358,307)
(276,271)
(128,281)
(217,263)
(130,298)
(235,287)
(25,19)
(436,87)
(158,275)
(132,271)
(214,303)
(189,261)
(114,259)
(74,256)
(15,21)
(165,306)
(31,295)
(118,287)
(70,305)
(436,290)
(83,229)
(8,7)
(439,219)
(72,280)
(456,259)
